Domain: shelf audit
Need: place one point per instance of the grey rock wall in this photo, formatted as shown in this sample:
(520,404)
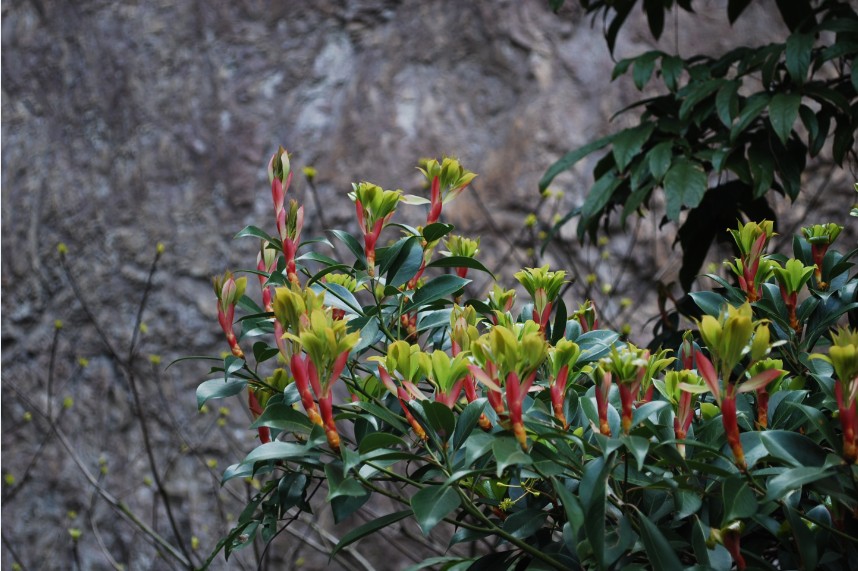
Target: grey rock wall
(128,124)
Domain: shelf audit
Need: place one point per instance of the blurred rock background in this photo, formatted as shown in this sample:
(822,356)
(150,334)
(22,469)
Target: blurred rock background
(128,124)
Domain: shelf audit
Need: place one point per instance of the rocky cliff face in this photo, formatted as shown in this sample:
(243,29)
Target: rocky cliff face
(131,124)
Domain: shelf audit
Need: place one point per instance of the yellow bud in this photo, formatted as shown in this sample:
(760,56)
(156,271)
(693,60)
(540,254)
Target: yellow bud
(147,481)
(603,241)
(155,359)
(160,248)
(309,173)
(28,416)
(144,328)
(62,249)
(74,533)
(626,302)
(9,479)
(530,220)
(68,402)
(58,324)
(223,411)
(607,289)
(204,409)
(83,362)
(211,463)
(71,514)
(591,279)
(195,542)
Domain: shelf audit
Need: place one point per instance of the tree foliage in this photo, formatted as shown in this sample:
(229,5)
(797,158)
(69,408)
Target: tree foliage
(728,130)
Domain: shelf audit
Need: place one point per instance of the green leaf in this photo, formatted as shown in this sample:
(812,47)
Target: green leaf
(283,417)
(525,523)
(595,482)
(695,93)
(438,420)
(436,289)
(671,71)
(255,232)
(684,185)
(798,54)
(405,263)
(595,344)
(276,451)
(436,231)
(709,301)
(263,352)
(369,528)
(643,67)
(599,196)
(338,297)
(793,448)
(783,110)
(750,111)
(638,446)
(339,484)
(507,452)
(568,160)
(571,505)
(727,102)
(659,158)
(351,243)
(432,504)
(218,389)
(792,479)
(739,500)
(628,143)
(459,262)
(467,421)
(377,440)
(659,552)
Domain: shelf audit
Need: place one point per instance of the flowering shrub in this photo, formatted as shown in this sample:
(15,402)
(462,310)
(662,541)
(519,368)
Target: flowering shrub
(530,425)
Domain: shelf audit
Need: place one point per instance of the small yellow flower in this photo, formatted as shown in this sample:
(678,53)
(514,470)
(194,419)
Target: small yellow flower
(28,416)
(62,249)
(9,479)
(83,362)
(68,402)
(58,324)
(160,248)
(195,542)
(530,220)
(309,173)
(144,328)
(74,533)
(591,279)
(155,359)
(211,463)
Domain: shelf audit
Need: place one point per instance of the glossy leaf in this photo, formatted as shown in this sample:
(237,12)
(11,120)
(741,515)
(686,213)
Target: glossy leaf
(369,528)
(684,185)
(432,504)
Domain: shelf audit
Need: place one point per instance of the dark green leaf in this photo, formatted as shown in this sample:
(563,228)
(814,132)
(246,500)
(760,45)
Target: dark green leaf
(792,479)
(598,198)
(432,504)
(739,500)
(655,16)
(671,70)
(660,553)
(783,110)
(568,160)
(459,262)
(571,505)
(255,232)
(750,111)
(405,264)
(727,102)
(436,289)
(793,448)
(642,72)
(467,421)
(436,231)
(438,420)
(709,301)
(276,451)
(696,93)
(684,185)
(262,351)
(525,523)
(339,484)
(660,157)
(338,297)
(377,440)
(595,344)
(628,143)
(351,243)
(798,52)
(369,528)
(284,417)
(507,452)
(218,389)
